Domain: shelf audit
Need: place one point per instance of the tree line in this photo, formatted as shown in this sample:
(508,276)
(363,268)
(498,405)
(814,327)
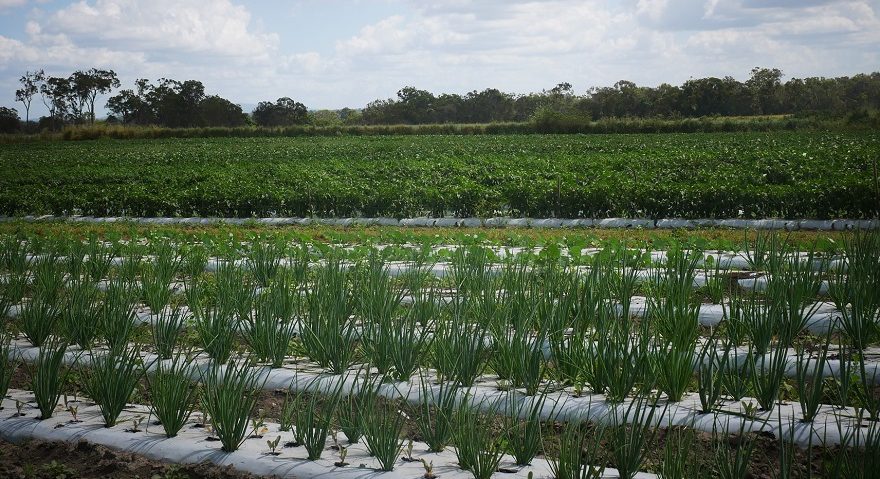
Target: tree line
(181,104)
(764,93)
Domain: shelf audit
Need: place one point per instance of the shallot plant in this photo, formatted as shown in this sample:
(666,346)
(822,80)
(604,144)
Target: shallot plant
(328,331)
(48,378)
(173,393)
(111,378)
(229,395)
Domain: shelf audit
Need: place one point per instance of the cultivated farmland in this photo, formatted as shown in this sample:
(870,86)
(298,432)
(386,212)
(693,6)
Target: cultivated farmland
(752,175)
(569,360)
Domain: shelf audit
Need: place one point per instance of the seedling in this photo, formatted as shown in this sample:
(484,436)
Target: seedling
(73,410)
(408,451)
(429,469)
(259,425)
(201,420)
(136,424)
(750,409)
(273,445)
(343,453)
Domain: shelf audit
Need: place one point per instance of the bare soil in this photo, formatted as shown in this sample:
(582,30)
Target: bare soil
(61,460)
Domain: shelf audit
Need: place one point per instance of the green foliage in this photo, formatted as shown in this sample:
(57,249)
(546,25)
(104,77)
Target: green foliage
(667,175)
(383,427)
(631,432)
(38,319)
(578,454)
(117,315)
(522,426)
(328,329)
(47,377)
(435,412)
(81,314)
(478,449)
(216,328)
(8,363)
(166,328)
(173,393)
(110,379)
(314,416)
(229,395)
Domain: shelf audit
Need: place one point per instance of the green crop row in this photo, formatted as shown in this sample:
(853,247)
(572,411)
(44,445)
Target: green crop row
(780,174)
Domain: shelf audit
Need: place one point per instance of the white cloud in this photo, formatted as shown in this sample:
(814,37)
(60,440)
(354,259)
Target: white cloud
(446,45)
(11,3)
(198,27)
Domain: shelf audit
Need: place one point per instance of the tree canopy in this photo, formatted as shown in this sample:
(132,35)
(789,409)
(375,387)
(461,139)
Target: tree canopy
(180,104)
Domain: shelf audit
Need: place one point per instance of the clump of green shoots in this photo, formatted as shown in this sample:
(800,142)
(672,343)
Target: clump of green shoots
(229,395)
(767,373)
(383,425)
(809,379)
(328,331)
(110,380)
(47,377)
(631,431)
(435,412)
(11,291)
(461,347)
(117,315)
(40,316)
(351,408)
(14,255)
(8,363)
(478,449)
(522,426)
(732,459)
(81,314)
(264,260)
(313,418)
(379,304)
(854,286)
(215,327)
(166,328)
(270,330)
(100,259)
(678,454)
(710,374)
(620,359)
(715,278)
(235,293)
(411,339)
(195,258)
(578,453)
(173,393)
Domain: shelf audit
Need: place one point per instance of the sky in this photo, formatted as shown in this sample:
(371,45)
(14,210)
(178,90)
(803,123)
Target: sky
(338,53)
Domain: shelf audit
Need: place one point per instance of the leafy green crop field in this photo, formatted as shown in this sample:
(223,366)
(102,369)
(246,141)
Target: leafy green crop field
(784,174)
